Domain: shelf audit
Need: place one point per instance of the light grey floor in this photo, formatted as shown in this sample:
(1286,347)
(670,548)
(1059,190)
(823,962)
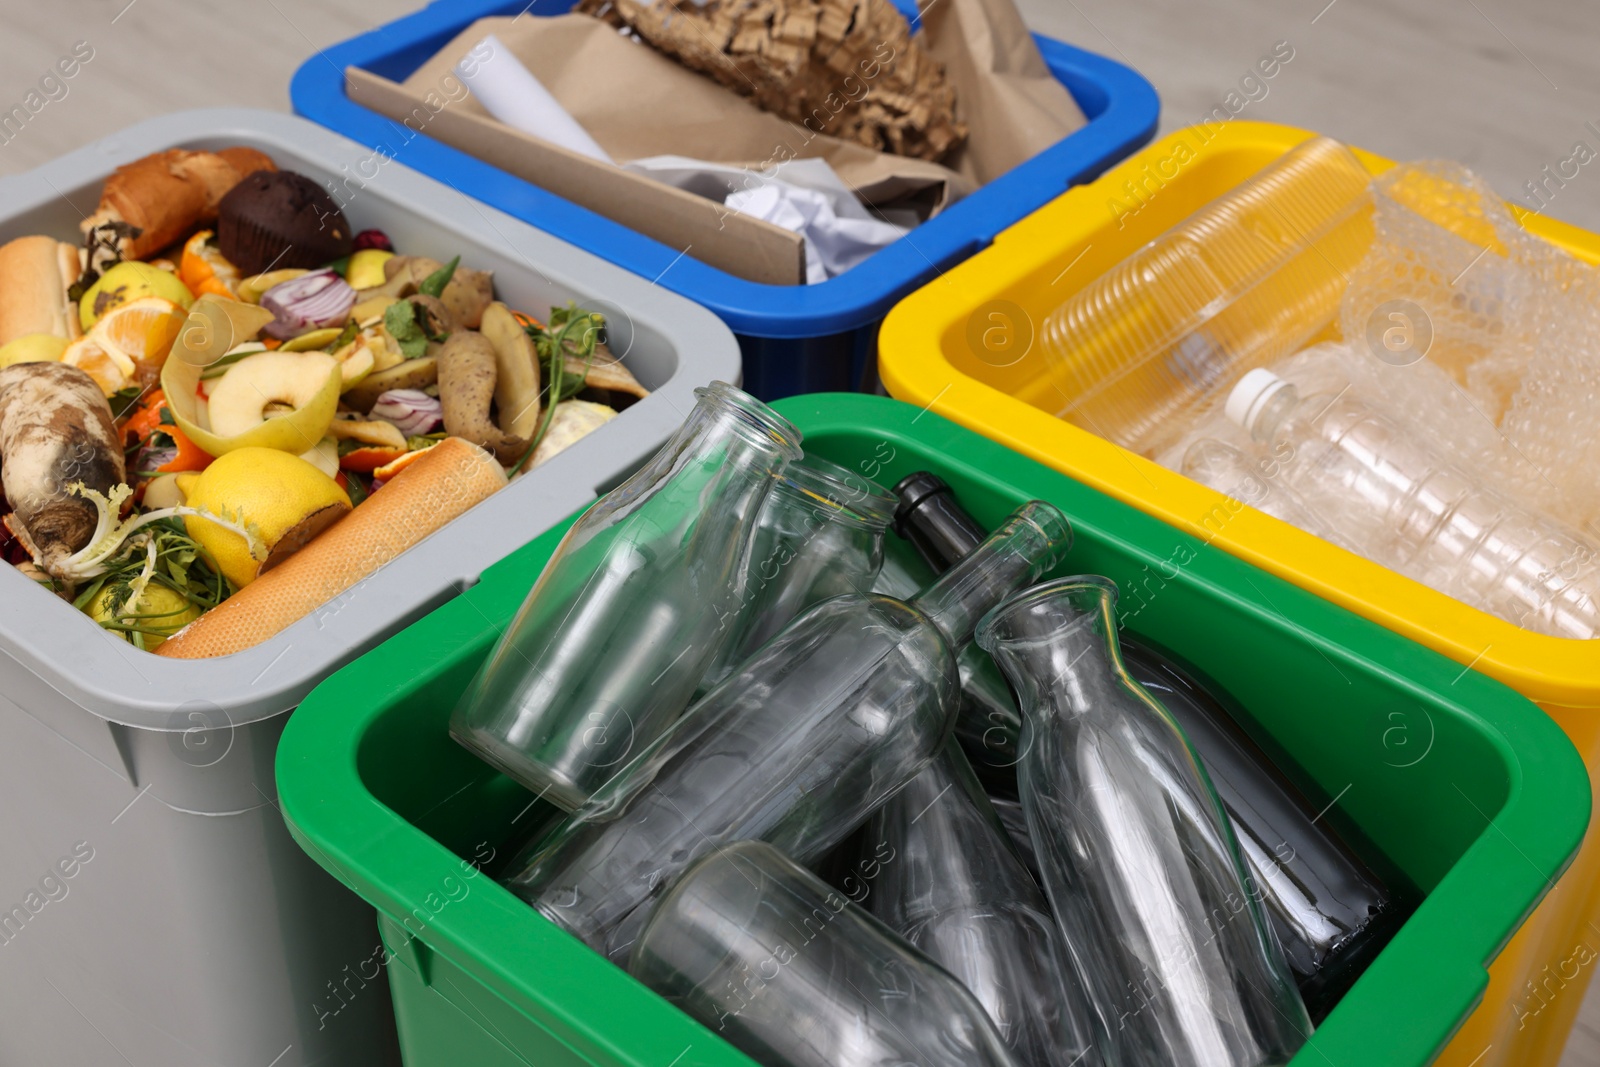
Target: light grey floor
(1506,88)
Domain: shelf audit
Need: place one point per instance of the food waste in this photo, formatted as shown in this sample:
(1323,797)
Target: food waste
(221,374)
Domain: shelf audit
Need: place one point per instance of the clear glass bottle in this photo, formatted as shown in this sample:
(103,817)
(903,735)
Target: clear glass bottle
(609,646)
(819,535)
(767,955)
(1138,858)
(1397,501)
(955,887)
(1331,912)
(797,747)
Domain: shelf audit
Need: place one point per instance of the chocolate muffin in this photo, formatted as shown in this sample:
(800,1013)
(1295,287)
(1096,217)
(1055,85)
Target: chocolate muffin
(278,219)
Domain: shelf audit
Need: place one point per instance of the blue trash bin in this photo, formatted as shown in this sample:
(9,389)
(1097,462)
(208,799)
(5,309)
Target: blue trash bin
(794,339)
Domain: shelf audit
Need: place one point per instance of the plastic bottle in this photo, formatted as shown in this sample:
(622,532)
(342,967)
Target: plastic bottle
(819,535)
(636,600)
(1251,277)
(765,954)
(797,747)
(1397,501)
(955,887)
(1138,859)
(1331,912)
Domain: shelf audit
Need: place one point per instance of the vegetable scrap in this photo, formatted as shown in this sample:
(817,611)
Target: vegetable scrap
(222,371)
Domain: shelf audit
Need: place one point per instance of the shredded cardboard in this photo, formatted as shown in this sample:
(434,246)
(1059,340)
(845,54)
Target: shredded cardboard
(848,68)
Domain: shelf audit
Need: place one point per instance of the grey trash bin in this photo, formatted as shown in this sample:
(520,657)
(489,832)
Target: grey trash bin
(153,909)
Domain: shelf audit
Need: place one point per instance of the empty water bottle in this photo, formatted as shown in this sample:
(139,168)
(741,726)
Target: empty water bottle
(797,747)
(1230,472)
(1138,860)
(955,887)
(1397,501)
(819,535)
(792,973)
(1331,913)
(639,595)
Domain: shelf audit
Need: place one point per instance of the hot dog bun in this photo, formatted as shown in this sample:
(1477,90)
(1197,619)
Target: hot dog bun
(35,273)
(437,487)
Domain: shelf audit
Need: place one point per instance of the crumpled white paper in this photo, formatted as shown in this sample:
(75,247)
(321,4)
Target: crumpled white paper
(804,196)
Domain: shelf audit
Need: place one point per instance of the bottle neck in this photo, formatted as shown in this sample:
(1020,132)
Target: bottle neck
(1025,545)
(1273,413)
(930,517)
(1057,643)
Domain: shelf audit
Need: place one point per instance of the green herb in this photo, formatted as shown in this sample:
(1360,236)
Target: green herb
(123,399)
(400,319)
(340,266)
(434,283)
(352,330)
(355,487)
(418,442)
(179,564)
(348,445)
(571,334)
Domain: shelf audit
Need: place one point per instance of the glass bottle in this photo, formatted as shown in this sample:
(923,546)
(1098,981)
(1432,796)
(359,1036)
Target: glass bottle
(1331,912)
(1396,500)
(1138,859)
(793,974)
(608,647)
(797,747)
(819,535)
(954,886)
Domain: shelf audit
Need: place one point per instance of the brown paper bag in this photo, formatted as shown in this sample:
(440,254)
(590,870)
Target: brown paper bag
(636,103)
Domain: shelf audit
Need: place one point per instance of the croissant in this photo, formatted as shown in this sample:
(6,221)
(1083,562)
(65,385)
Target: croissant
(167,194)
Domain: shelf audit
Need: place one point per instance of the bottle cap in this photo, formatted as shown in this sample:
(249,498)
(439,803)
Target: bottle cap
(1250,397)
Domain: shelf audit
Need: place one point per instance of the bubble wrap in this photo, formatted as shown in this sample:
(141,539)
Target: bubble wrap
(1515,330)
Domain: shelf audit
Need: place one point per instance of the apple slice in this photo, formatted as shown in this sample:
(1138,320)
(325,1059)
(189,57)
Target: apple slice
(236,415)
(299,380)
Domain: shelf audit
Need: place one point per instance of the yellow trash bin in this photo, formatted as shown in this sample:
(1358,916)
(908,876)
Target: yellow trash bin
(965,345)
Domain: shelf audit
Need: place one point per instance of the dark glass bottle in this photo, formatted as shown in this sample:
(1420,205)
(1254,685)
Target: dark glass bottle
(1331,912)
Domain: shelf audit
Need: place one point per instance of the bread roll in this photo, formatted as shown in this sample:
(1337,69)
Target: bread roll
(439,486)
(35,273)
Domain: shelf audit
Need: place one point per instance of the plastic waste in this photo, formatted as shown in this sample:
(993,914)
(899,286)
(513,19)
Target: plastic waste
(1395,499)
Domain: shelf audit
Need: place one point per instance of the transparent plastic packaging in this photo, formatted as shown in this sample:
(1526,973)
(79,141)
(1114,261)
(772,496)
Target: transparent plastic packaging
(767,955)
(1234,474)
(616,634)
(1249,278)
(819,535)
(1513,320)
(797,747)
(1396,500)
(1138,858)
(956,888)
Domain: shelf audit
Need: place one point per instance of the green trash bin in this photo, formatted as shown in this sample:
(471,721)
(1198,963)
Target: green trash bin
(1460,784)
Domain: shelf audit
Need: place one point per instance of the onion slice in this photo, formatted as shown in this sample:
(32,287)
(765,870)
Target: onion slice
(412,411)
(310,302)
